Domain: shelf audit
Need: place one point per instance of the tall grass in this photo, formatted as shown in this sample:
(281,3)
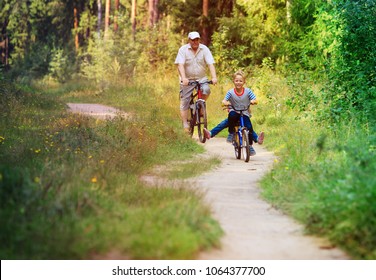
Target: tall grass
(69,186)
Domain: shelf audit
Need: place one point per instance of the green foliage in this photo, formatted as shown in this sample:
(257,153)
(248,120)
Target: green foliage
(330,187)
(188,15)
(61,66)
(305,35)
(344,207)
(352,72)
(249,36)
(159,48)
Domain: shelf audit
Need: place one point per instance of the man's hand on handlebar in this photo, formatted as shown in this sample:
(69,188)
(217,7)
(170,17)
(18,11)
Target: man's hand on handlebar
(184,81)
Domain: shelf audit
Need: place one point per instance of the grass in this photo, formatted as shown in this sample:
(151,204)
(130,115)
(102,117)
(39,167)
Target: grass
(186,169)
(195,168)
(69,185)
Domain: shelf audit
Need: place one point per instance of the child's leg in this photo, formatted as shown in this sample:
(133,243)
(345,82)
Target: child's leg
(233,118)
(221,126)
(252,135)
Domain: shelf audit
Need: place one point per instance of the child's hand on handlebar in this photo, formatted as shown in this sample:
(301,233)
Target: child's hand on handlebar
(184,81)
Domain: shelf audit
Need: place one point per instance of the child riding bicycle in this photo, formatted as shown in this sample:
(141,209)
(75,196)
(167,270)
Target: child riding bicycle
(238,97)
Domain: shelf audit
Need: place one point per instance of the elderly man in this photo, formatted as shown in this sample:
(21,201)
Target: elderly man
(192,60)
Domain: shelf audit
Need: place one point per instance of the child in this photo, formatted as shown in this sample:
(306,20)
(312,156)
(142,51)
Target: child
(238,97)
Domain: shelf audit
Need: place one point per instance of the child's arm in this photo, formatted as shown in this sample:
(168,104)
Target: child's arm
(226,102)
(252,97)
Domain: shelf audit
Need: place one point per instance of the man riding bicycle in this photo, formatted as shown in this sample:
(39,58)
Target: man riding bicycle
(192,60)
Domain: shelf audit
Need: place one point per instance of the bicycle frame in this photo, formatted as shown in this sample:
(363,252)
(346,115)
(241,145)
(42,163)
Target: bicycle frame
(241,137)
(197,108)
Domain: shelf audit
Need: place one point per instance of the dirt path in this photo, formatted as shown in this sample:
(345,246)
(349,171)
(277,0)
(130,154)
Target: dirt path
(253,229)
(95,110)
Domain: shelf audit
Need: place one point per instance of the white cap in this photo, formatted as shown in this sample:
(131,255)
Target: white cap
(193,35)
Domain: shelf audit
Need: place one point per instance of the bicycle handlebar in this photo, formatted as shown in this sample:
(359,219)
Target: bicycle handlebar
(194,83)
(236,109)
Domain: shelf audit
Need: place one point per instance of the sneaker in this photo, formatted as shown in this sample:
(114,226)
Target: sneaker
(207,133)
(230,137)
(187,130)
(260,139)
(252,151)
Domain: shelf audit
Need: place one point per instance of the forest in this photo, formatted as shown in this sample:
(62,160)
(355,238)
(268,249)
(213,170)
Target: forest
(313,63)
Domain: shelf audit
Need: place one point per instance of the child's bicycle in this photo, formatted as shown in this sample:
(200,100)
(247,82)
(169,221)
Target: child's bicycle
(240,141)
(197,111)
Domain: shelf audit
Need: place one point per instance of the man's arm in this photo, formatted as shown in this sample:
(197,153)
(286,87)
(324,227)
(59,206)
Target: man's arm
(213,73)
(183,78)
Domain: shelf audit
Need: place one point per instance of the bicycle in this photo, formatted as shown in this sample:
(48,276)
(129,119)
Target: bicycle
(240,141)
(197,110)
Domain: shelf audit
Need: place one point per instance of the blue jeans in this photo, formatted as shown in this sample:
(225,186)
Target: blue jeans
(221,126)
(224,124)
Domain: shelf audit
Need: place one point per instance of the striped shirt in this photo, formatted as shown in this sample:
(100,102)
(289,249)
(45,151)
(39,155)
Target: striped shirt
(240,101)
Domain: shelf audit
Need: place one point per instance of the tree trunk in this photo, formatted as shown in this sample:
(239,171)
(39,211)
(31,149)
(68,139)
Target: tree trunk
(107,18)
(204,22)
(225,8)
(117,5)
(153,12)
(4,54)
(76,39)
(133,18)
(156,12)
(99,23)
(288,10)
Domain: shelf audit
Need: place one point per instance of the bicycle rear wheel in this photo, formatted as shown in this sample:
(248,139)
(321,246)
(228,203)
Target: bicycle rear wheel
(245,145)
(236,143)
(202,121)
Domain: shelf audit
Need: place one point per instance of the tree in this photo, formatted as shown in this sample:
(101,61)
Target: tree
(117,5)
(99,22)
(204,22)
(200,15)
(76,38)
(133,18)
(153,12)
(107,17)
(4,50)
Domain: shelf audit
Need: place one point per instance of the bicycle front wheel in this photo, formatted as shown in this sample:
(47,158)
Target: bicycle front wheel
(202,120)
(245,145)
(236,143)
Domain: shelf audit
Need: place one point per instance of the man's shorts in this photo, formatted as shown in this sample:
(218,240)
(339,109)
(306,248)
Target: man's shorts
(186,92)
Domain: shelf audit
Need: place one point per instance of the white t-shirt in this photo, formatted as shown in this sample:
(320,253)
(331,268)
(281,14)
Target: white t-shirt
(194,63)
